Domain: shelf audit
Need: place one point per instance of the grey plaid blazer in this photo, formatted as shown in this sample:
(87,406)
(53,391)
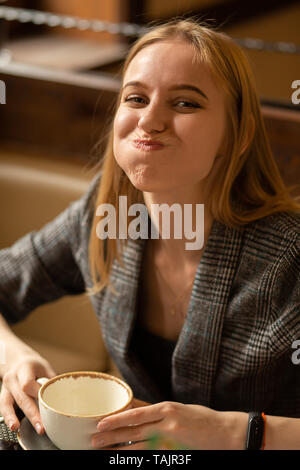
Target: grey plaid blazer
(235,348)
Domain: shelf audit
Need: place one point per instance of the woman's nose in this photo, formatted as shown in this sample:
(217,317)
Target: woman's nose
(152,119)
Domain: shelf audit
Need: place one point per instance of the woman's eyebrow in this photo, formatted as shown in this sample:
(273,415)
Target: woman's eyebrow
(184,86)
(180,86)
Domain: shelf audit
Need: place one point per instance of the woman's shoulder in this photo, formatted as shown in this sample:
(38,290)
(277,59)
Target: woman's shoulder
(273,243)
(281,229)
(271,251)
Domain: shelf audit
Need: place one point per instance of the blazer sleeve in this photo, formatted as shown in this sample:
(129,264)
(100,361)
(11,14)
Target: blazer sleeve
(43,266)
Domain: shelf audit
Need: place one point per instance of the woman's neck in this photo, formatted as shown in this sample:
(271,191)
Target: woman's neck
(182,216)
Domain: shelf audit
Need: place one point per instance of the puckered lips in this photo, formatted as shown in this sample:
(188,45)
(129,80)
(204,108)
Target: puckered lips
(148,144)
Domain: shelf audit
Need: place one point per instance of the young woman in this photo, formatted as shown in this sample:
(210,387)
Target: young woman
(203,335)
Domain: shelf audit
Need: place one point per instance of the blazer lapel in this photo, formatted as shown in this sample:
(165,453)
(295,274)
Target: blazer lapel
(118,310)
(196,354)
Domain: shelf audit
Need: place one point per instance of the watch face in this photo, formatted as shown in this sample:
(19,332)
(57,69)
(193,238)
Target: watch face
(255,431)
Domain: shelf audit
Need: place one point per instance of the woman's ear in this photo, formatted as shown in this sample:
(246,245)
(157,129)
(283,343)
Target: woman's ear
(249,134)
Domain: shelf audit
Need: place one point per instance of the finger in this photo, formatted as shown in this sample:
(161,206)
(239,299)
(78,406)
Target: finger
(129,433)
(45,370)
(29,407)
(137,403)
(8,410)
(141,415)
(28,375)
(27,380)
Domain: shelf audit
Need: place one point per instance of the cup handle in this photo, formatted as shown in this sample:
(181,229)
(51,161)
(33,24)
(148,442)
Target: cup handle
(42,380)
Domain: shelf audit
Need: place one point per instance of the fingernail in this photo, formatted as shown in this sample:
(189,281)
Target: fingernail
(38,428)
(11,425)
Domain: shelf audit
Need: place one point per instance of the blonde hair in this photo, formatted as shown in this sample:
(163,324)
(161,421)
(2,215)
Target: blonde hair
(251,187)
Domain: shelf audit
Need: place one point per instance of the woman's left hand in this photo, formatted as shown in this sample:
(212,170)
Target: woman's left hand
(191,426)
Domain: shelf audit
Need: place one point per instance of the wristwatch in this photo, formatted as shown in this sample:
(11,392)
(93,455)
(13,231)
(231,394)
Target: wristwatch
(255,431)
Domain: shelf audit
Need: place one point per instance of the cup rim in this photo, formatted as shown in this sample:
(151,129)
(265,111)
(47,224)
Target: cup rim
(86,373)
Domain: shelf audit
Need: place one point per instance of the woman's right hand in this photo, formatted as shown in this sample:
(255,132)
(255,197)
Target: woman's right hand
(20,387)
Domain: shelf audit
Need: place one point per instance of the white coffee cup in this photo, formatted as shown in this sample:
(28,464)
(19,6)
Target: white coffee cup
(72,404)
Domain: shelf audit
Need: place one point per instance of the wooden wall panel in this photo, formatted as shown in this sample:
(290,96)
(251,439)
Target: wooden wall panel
(65,119)
(156,9)
(283,128)
(106,10)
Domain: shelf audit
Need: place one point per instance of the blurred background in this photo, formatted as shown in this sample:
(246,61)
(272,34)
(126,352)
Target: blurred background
(60,62)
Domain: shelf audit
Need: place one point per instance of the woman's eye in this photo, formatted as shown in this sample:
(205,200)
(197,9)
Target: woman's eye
(180,104)
(134,99)
(187,104)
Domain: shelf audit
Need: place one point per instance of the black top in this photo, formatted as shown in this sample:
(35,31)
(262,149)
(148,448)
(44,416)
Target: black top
(158,364)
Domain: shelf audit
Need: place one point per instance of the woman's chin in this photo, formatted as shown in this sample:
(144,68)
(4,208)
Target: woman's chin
(144,182)
(145,186)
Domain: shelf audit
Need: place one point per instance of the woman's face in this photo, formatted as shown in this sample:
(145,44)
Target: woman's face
(170,124)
